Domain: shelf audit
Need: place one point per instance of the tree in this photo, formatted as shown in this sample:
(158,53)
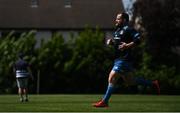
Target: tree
(89,62)
(161,21)
(9,48)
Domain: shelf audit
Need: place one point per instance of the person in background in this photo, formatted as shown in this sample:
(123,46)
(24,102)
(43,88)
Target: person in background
(123,40)
(23,73)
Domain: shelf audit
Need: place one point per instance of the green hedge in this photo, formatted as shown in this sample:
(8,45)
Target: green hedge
(80,65)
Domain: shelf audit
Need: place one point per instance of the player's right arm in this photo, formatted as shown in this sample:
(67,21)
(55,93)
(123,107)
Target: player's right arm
(110,41)
(30,72)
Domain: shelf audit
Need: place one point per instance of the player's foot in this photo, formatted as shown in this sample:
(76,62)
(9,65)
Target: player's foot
(21,100)
(156,85)
(100,103)
(26,100)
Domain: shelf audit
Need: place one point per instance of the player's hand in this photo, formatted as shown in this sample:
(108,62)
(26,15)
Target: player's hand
(109,42)
(123,46)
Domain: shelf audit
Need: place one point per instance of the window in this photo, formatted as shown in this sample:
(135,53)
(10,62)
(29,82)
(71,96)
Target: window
(34,3)
(67,3)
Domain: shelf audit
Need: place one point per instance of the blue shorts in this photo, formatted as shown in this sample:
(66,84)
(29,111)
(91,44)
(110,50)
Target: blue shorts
(121,66)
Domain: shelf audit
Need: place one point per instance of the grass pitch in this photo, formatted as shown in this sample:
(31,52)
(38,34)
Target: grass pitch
(83,103)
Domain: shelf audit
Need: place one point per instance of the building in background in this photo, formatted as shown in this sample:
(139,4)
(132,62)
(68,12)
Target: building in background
(64,16)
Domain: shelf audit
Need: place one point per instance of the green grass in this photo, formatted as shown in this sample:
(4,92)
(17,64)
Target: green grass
(82,103)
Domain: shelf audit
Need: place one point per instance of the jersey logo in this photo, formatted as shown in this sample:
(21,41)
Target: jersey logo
(116,67)
(121,32)
(116,37)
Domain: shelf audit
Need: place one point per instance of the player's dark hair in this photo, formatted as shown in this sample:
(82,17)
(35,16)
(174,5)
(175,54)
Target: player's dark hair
(125,16)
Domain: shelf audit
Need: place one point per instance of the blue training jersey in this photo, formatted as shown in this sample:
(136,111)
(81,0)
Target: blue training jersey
(125,34)
(21,68)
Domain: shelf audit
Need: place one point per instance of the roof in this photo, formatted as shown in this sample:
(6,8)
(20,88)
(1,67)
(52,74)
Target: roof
(52,14)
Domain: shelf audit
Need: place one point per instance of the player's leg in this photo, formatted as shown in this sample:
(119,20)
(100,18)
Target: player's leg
(26,94)
(128,69)
(20,90)
(113,76)
(25,88)
(145,82)
(142,81)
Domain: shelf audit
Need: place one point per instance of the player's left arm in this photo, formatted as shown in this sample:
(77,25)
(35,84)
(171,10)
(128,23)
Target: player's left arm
(125,45)
(135,40)
(30,71)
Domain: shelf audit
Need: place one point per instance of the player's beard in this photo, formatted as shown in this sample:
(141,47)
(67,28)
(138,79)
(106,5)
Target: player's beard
(118,26)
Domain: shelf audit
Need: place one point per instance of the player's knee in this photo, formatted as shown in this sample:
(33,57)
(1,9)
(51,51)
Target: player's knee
(112,80)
